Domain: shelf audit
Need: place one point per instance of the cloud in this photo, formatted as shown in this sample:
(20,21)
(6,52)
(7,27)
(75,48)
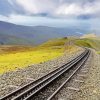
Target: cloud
(60,13)
(60,8)
(11,2)
(51,8)
(37,6)
(43,21)
(76,9)
(17,19)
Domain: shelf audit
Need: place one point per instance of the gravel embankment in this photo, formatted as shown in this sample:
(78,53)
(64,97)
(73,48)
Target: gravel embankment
(91,89)
(71,89)
(15,79)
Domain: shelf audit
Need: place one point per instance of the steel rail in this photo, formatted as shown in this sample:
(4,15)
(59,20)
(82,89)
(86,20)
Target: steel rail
(29,84)
(46,77)
(44,85)
(33,90)
(69,78)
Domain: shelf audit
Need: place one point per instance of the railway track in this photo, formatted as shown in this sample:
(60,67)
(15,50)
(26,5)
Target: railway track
(30,90)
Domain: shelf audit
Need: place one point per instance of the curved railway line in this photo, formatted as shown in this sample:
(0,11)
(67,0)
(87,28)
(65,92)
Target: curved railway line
(31,90)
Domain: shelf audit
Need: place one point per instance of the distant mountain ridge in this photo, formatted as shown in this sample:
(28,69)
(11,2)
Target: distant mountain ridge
(32,35)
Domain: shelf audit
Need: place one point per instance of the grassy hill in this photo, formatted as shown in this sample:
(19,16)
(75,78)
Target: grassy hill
(55,42)
(89,42)
(13,40)
(13,57)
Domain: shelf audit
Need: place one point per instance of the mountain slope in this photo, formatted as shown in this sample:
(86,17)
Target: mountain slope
(13,40)
(34,34)
(89,42)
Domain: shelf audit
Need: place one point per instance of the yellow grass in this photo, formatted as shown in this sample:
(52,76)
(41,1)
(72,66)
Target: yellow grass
(11,61)
(16,57)
(98,52)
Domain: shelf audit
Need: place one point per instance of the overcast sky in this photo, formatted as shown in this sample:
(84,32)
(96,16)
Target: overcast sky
(58,13)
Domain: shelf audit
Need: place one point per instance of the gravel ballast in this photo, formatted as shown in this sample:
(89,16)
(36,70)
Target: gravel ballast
(91,88)
(16,79)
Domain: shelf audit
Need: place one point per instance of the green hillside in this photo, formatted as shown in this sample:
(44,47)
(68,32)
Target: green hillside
(13,40)
(89,42)
(18,56)
(55,42)
(84,42)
